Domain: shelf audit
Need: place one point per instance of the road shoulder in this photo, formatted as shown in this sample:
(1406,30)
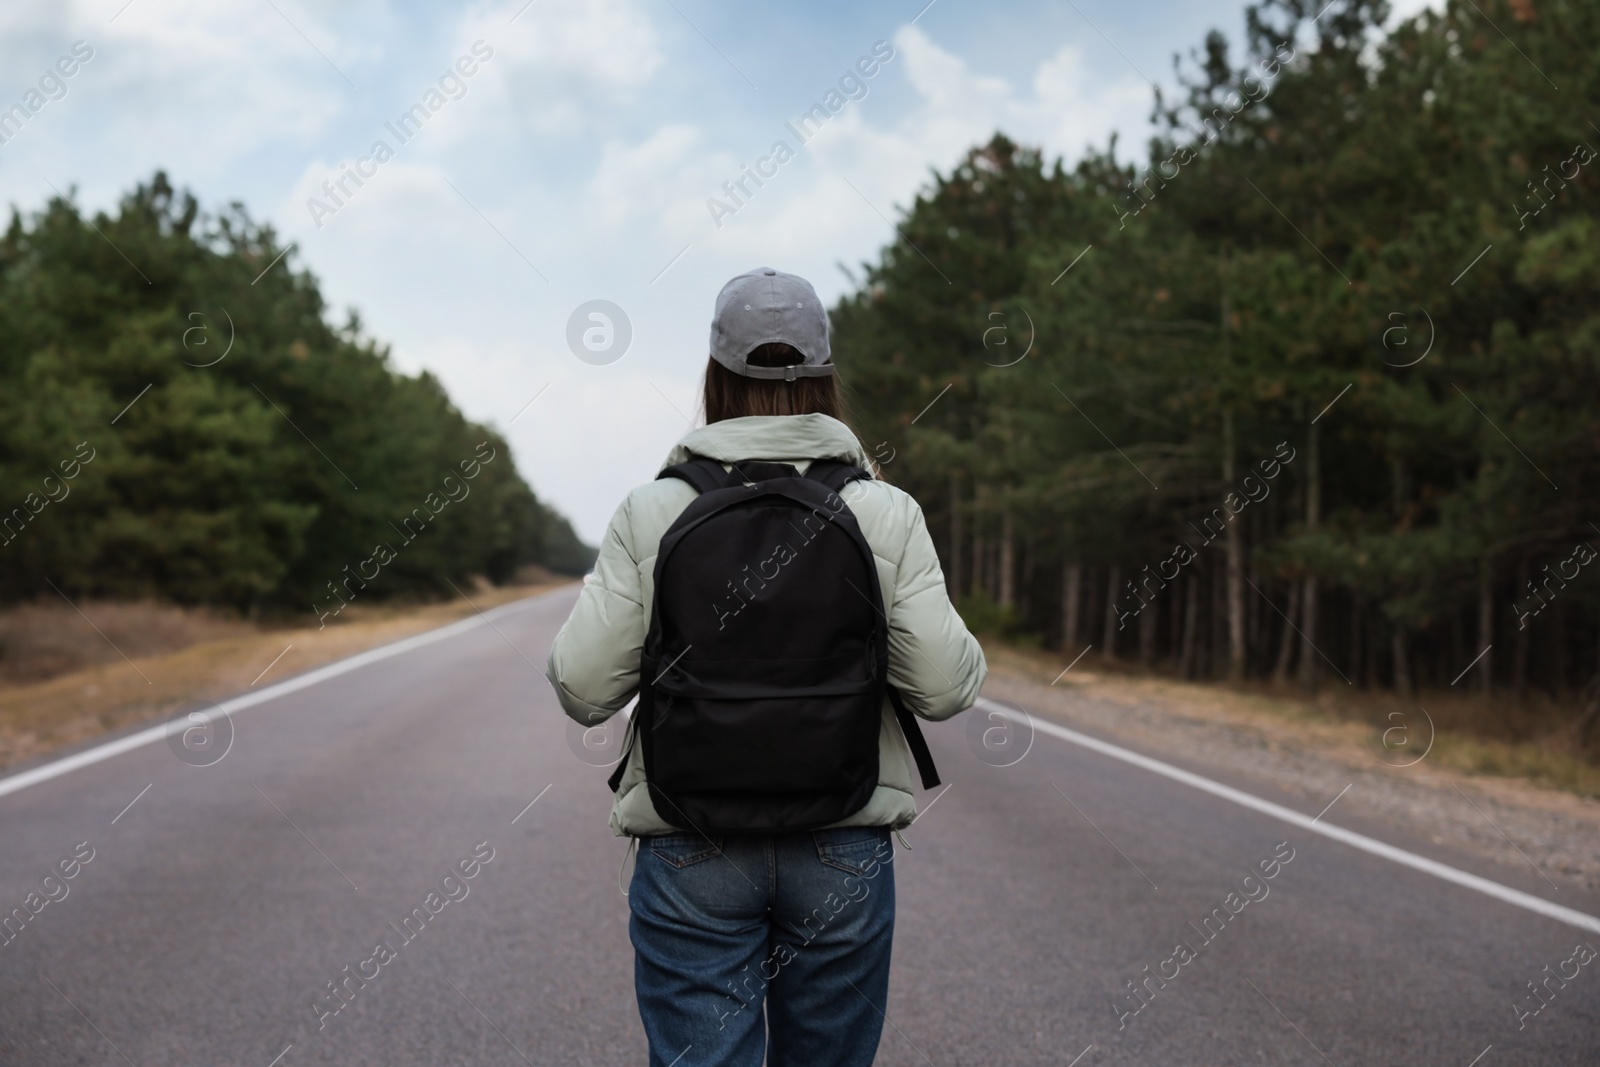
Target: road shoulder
(48,718)
(1507,820)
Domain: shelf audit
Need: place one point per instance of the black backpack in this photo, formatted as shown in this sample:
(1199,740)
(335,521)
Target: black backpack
(765,665)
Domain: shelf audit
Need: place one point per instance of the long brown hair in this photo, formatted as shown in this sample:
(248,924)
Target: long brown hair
(732,396)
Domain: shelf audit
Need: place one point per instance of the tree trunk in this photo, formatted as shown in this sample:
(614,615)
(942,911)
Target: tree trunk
(1355,639)
(1191,624)
(1219,621)
(1280,671)
(1071,595)
(1149,629)
(956,587)
(1559,651)
(980,562)
(1310,608)
(1591,706)
(1519,652)
(1235,543)
(1254,640)
(1025,589)
(1458,648)
(1175,622)
(1486,626)
(1008,563)
(1309,657)
(1108,646)
(1374,652)
(1399,645)
(1402,661)
(991,565)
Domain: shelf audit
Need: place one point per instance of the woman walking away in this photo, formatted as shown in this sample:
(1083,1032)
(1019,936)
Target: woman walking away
(783,619)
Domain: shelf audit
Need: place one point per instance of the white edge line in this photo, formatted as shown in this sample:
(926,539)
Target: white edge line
(291,685)
(1443,871)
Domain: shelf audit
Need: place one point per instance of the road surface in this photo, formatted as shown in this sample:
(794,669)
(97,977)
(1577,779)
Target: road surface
(219,902)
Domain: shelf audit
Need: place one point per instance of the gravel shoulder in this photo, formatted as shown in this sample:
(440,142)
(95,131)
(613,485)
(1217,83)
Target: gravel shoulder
(1510,821)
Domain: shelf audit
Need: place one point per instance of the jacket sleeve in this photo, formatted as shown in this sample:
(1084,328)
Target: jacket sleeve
(935,663)
(594,662)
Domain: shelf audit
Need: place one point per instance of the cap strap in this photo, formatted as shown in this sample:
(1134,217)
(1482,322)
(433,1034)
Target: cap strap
(788,373)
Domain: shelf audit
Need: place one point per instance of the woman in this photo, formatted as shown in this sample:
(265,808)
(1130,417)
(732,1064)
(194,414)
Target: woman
(775,943)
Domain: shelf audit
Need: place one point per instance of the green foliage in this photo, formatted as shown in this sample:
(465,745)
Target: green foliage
(1300,221)
(231,479)
(987,619)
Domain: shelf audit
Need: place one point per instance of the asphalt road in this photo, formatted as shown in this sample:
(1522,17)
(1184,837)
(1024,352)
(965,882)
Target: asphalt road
(217,908)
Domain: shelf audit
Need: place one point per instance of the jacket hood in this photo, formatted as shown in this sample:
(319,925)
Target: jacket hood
(783,438)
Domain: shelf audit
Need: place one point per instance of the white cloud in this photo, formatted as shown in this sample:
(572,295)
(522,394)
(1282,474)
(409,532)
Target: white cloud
(1400,10)
(825,206)
(608,45)
(948,89)
(660,180)
(646,196)
(561,60)
(171,81)
(809,210)
(570,141)
(1073,110)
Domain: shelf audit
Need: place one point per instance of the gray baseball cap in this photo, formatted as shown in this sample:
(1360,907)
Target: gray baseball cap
(765,305)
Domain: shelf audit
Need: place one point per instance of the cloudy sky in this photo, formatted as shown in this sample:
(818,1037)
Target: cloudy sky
(574,163)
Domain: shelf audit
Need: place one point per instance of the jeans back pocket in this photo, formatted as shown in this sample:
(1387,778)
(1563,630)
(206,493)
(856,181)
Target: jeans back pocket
(684,850)
(856,850)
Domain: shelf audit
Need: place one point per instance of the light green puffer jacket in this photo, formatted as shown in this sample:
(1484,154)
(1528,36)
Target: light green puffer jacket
(936,664)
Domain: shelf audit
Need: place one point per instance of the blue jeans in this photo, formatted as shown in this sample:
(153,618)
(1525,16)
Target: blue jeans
(800,924)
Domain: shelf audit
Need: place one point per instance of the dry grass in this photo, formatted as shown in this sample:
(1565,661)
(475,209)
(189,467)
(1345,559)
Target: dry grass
(50,638)
(177,656)
(1534,740)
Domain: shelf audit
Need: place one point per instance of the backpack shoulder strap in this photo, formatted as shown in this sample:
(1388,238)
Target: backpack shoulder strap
(914,739)
(627,750)
(835,474)
(702,473)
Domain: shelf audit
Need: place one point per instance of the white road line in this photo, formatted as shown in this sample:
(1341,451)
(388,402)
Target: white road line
(155,733)
(1454,875)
